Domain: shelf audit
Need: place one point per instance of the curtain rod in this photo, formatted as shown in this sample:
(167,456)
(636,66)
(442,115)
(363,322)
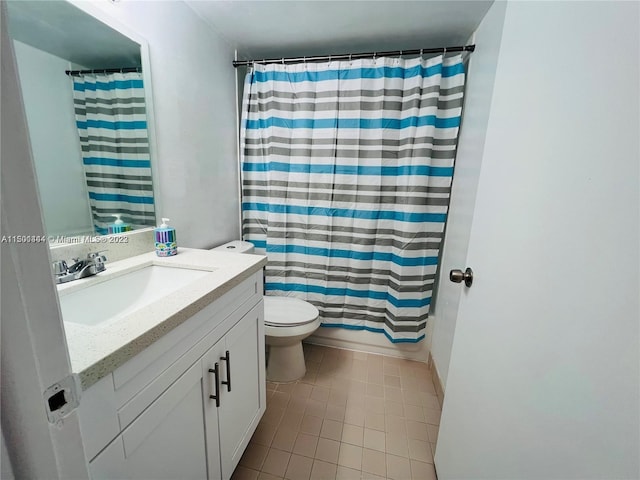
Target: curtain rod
(103,70)
(352,56)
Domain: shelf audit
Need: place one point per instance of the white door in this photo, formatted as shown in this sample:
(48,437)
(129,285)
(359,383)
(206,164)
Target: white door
(34,354)
(477,104)
(544,375)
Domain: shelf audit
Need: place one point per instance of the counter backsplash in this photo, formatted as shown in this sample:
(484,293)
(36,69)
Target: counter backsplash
(115,247)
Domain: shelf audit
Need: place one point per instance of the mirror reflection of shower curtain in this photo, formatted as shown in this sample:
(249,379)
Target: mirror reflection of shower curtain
(112,125)
(346,176)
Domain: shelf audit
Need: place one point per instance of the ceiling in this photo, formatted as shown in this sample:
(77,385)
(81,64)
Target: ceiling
(276,28)
(63,30)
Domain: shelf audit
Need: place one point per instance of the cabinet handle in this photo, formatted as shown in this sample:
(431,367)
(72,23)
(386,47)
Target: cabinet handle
(227,359)
(216,374)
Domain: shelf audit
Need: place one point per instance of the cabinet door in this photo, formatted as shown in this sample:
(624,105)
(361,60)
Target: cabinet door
(210,360)
(241,406)
(167,441)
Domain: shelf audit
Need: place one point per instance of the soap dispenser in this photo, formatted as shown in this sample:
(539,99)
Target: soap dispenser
(118,226)
(166,245)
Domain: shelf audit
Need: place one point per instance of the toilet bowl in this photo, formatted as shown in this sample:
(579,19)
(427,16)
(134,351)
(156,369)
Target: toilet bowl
(287,322)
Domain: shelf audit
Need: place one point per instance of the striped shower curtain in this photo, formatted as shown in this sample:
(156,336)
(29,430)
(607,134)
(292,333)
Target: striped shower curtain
(112,125)
(346,173)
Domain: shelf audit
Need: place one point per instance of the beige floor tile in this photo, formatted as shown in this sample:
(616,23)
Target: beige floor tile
(302,390)
(354,416)
(422,471)
(429,401)
(279,399)
(375,390)
(273,414)
(320,393)
(393,394)
(345,473)
(311,425)
(374,461)
(371,476)
(356,388)
(323,379)
(291,420)
(264,433)
(412,412)
(271,386)
(359,355)
(390,368)
(310,376)
(396,444)
(327,450)
(286,387)
(315,408)
(331,429)
(268,476)
(254,455)
(432,432)
(323,470)
(305,445)
(356,400)
(393,408)
(284,439)
(335,412)
(350,456)
(433,450)
(374,421)
(398,468)
(340,384)
(375,359)
(432,416)
(419,450)
(311,366)
(299,468)
(276,462)
(375,376)
(242,473)
(374,405)
(297,405)
(338,396)
(392,381)
(412,398)
(395,424)
(352,434)
(417,430)
(374,439)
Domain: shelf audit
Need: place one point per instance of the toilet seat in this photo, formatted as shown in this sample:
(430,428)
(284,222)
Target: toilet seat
(288,312)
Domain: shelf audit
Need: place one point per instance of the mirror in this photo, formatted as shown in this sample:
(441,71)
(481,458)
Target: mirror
(89,129)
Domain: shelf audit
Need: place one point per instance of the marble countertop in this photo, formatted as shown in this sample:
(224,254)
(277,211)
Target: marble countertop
(96,351)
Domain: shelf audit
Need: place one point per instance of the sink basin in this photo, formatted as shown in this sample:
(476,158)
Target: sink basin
(124,294)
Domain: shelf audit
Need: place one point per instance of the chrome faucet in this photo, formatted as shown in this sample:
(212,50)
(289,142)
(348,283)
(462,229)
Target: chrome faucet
(93,264)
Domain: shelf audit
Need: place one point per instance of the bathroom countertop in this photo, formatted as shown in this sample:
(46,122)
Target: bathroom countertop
(95,351)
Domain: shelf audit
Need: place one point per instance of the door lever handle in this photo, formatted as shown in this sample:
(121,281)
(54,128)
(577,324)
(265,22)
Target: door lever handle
(457,276)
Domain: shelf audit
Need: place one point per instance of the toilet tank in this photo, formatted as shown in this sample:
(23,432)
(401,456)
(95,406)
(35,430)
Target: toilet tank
(236,246)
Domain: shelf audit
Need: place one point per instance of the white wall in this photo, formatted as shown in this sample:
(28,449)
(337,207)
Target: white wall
(194,101)
(48,101)
(478,95)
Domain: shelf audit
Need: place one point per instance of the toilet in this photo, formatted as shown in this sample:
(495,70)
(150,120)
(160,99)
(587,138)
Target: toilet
(287,322)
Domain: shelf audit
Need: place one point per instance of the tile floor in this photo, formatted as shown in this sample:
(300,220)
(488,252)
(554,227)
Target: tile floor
(353,416)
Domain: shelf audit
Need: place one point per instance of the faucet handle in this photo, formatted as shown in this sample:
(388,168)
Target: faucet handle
(59,267)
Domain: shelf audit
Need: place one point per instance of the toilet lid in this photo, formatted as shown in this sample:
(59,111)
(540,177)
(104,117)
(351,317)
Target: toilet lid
(288,311)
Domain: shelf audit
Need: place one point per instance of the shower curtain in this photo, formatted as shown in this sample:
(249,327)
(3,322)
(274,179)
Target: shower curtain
(112,125)
(346,174)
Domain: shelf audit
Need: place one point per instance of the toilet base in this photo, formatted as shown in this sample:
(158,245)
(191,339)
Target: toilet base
(286,363)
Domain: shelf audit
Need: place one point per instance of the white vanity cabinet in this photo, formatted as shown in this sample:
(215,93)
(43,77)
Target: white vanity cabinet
(162,415)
